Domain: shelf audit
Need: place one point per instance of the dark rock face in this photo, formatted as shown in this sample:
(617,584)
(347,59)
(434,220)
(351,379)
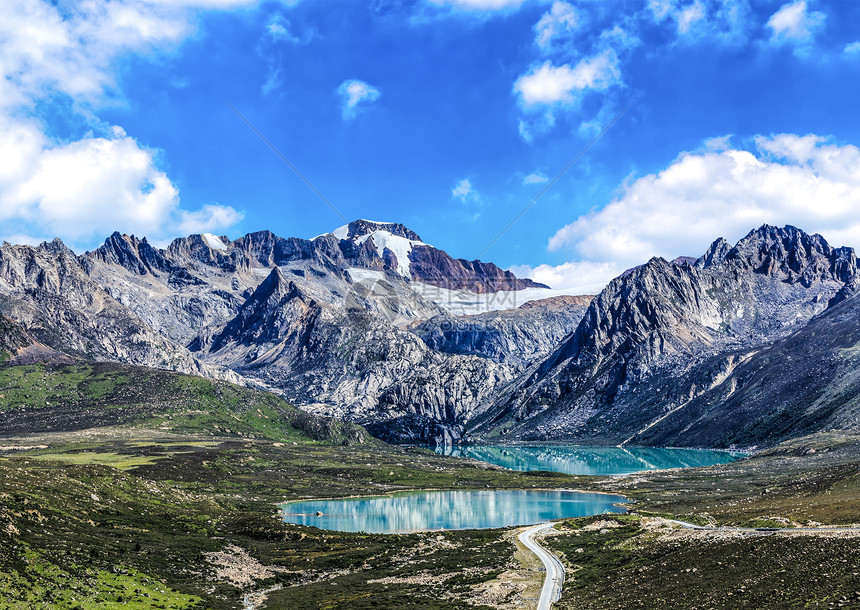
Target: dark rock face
(516,336)
(628,364)
(792,256)
(267,249)
(357,228)
(435,267)
(133,254)
(262,319)
(48,293)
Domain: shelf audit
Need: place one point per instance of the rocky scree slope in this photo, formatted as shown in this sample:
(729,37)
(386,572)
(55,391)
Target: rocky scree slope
(46,291)
(514,336)
(665,337)
(353,365)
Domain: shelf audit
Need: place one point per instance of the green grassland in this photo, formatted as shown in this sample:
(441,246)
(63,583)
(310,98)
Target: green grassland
(148,489)
(70,397)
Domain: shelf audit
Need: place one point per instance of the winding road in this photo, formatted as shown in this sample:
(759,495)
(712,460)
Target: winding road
(551,590)
(552,584)
(761,530)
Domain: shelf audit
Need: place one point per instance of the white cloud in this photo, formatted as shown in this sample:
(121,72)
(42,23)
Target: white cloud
(574,277)
(546,88)
(549,85)
(83,189)
(274,80)
(464,191)
(725,22)
(22,239)
(70,48)
(86,189)
(852,48)
(689,15)
(805,181)
(211,217)
(536,125)
(660,9)
(279,29)
(535,178)
(619,39)
(478,5)
(354,95)
(794,24)
(559,22)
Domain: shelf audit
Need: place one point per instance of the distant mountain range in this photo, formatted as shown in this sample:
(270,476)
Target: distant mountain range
(747,345)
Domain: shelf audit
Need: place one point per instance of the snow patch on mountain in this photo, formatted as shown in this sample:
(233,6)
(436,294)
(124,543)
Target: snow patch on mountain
(400,246)
(340,232)
(213,241)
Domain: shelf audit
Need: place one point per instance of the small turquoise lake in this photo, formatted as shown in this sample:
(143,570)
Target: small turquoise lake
(450,510)
(589,460)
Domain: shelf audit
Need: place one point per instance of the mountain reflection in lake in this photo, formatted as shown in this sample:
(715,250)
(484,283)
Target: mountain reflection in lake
(433,510)
(583,459)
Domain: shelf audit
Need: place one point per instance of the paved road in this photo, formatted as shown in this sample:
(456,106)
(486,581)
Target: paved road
(551,590)
(724,528)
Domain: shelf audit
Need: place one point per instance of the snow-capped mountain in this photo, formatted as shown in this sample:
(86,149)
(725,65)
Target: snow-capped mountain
(328,322)
(371,324)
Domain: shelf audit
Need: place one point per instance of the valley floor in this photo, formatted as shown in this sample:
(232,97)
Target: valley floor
(141,518)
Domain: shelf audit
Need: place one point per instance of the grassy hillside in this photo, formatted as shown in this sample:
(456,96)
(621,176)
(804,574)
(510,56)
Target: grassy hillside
(69,397)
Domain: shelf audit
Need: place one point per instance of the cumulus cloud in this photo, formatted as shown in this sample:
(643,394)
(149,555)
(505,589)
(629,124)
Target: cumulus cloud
(464,191)
(559,22)
(722,21)
(354,95)
(536,125)
(70,47)
(549,85)
(535,178)
(208,219)
(806,181)
(689,16)
(83,189)
(794,24)
(583,277)
(279,29)
(478,5)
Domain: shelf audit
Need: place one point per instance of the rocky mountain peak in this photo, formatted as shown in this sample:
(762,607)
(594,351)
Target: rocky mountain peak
(55,246)
(136,255)
(262,316)
(268,249)
(715,253)
(205,248)
(275,285)
(793,256)
(361,227)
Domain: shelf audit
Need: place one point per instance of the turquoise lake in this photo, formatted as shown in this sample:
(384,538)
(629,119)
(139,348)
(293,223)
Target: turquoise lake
(583,459)
(450,510)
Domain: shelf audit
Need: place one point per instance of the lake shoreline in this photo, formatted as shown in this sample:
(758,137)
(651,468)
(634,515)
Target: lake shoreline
(414,511)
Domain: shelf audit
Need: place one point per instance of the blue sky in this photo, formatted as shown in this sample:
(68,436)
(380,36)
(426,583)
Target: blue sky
(448,116)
